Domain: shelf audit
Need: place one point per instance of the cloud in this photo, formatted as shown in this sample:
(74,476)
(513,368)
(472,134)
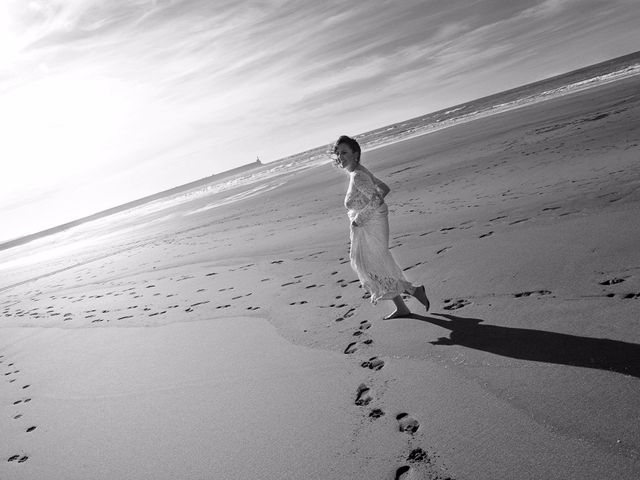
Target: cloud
(545,9)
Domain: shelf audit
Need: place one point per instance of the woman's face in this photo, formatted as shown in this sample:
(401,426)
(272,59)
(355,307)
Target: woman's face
(346,158)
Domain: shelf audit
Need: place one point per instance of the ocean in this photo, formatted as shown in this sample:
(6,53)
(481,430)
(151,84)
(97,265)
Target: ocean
(577,80)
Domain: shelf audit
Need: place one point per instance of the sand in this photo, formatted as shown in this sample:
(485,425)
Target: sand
(235,342)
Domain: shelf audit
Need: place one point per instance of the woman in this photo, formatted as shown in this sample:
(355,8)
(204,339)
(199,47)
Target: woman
(370,257)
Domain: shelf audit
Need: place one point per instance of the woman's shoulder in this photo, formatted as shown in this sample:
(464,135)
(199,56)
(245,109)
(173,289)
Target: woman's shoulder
(362,173)
(360,178)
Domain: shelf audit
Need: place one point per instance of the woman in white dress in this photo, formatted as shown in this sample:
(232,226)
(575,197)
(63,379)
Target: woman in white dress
(370,257)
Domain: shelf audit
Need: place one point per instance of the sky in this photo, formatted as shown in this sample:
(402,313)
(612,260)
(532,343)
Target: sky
(104,101)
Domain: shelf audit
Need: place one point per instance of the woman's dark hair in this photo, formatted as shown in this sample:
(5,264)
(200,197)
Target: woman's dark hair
(351,142)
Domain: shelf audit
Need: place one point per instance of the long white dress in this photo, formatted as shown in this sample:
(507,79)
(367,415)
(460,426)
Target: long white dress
(370,257)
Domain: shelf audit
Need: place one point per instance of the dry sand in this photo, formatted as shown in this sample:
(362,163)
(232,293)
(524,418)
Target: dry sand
(234,342)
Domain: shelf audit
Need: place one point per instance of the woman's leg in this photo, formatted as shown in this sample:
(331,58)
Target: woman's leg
(401,309)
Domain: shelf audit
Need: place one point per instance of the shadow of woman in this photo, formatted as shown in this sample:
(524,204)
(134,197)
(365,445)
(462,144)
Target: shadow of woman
(539,345)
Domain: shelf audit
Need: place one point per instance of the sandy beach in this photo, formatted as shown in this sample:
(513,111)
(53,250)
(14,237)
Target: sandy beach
(231,339)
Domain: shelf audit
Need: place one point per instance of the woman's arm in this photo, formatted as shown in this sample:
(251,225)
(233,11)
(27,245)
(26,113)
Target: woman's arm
(383,187)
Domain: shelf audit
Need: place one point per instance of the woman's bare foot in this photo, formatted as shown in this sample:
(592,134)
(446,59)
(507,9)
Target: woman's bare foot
(401,309)
(421,295)
(398,314)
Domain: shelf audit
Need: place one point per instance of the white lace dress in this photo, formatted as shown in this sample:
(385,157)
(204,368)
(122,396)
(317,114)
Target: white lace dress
(370,257)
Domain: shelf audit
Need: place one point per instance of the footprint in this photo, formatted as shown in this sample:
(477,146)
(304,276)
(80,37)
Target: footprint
(365,325)
(362,395)
(412,266)
(486,234)
(403,473)
(417,455)
(199,303)
(376,413)
(456,304)
(612,281)
(536,292)
(597,117)
(351,348)
(518,221)
(374,363)
(349,313)
(629,296)
(442,250)
(406,423)
(20,459)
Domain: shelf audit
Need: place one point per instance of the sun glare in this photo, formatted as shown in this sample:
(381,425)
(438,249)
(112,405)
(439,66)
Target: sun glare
(61,126)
